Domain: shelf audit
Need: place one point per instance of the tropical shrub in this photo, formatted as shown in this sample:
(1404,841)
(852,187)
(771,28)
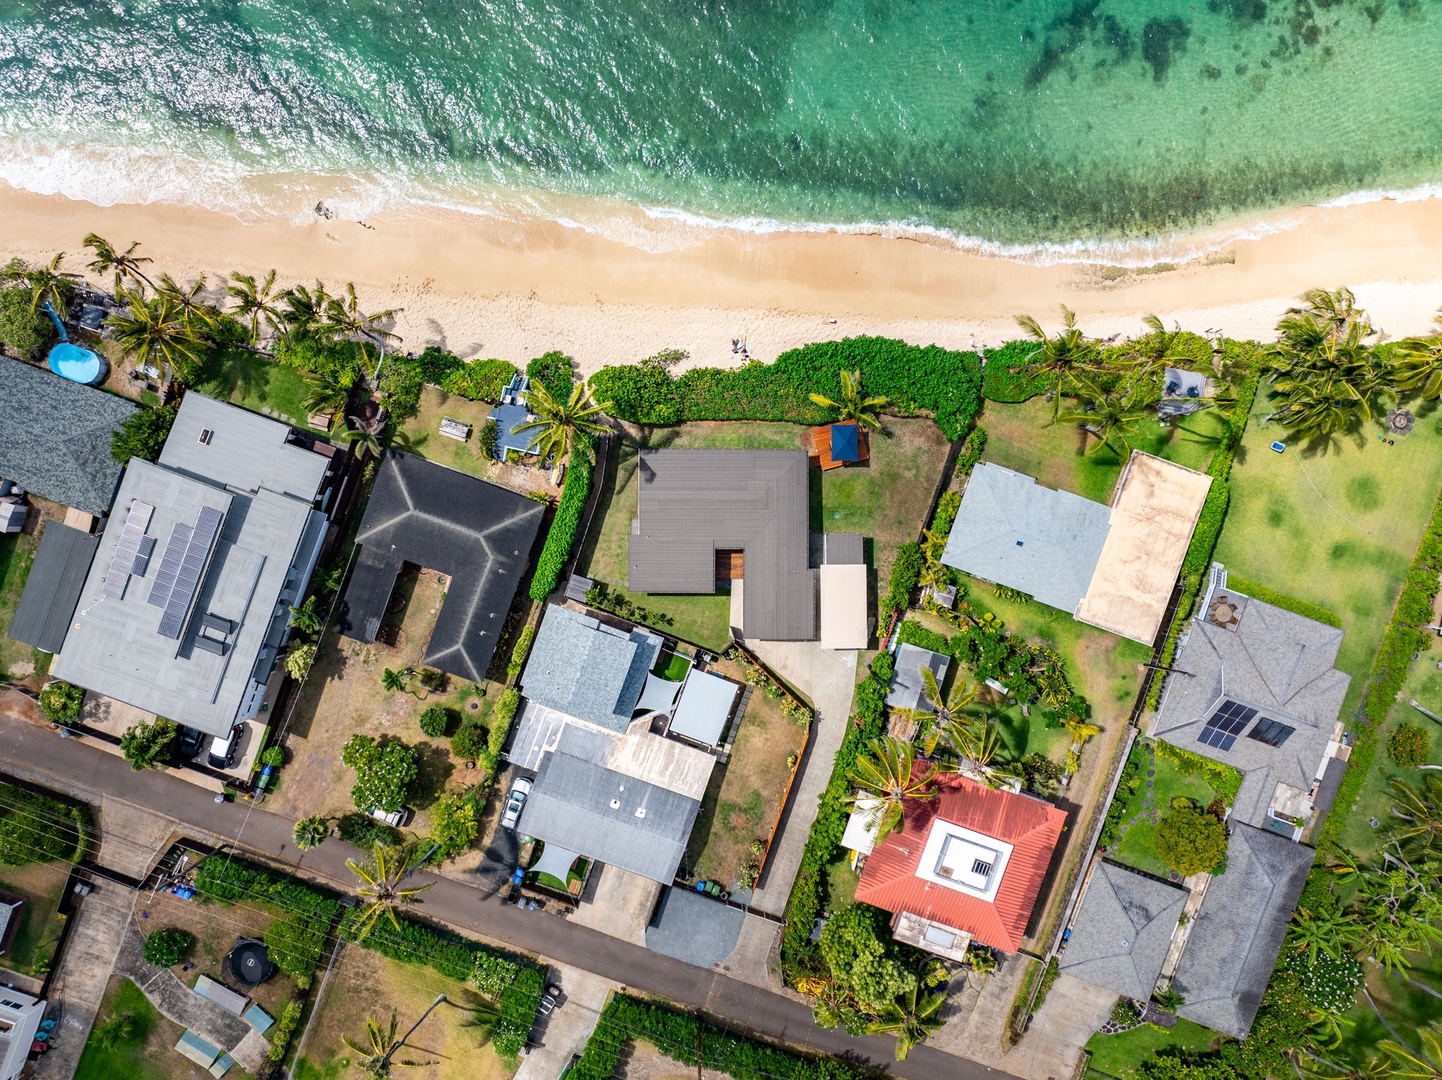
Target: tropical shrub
(274,756)
(299,658)
(905,575)
(296,946)
(862,957)
(480,380)
(147,745)
(400,387)
(562,534)
(339,362)
(166,948)
(365,832)
(521,650)
(1190,840)
(1329,982)
(555,371)
(22,328)
(643,393)
(1408,746)
(436,722)
(454,823)
(1006,380)
(61,701)
(38,828)
(284,1031)
(469,742)
(384,772)
(971,452)
(436,364)
(141,435)
(488,438)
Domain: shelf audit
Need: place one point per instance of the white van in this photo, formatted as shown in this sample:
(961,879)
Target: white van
(395,819)
(222,750)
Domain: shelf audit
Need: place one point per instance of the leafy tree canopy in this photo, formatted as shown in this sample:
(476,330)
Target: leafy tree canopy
(1190,840)
(858,949)
(384,771)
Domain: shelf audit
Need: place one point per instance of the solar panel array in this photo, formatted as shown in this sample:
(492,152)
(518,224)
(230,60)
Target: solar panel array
(178,578)
(1224,725)
(1272,732)
(128,550)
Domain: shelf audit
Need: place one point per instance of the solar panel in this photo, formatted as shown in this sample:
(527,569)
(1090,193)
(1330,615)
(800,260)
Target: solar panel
(1224,725)
(1269,731)
(141,562)
(169,565)
(192,565)
(132,537)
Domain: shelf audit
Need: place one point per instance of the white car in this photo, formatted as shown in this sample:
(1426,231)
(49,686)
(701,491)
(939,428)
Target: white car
(511,816)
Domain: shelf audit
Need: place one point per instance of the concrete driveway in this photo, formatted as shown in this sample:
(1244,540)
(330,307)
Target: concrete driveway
(564,1033)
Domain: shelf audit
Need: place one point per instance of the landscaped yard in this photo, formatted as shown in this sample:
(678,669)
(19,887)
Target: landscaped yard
(257,383)
(147,1049)
(885,502)
(17,552)
(41,886)
(1338,529)
(1407,1006)
(366,984)
(1023,438)
(745,794)
(420,435)
(1120,1055)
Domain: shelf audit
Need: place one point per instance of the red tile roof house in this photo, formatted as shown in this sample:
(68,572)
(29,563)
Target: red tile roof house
(966,865)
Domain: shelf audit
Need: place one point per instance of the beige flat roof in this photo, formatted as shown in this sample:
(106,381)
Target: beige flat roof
(843,606)
(1153,516)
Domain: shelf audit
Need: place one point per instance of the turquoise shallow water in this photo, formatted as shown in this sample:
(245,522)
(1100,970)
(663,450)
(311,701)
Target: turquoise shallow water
(1017,121)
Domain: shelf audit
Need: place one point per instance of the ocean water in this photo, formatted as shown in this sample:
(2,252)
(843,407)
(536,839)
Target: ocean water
(1031,123)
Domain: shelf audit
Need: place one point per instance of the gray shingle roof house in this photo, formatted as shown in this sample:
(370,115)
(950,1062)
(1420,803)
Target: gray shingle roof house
(1015,532)
(57,434)
(1122,930)
(614,818)
(52,590)
(694,928)
(185,608)
(908,685)
(693,504)
(1261,695)
(1239,930)
(479,534)
(583,668)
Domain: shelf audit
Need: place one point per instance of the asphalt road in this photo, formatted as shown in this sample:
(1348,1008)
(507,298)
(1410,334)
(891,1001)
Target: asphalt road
(37,753)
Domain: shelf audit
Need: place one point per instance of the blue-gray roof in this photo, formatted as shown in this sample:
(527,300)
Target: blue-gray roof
(1122,930)
(53,588)
(508,418)
(57,434)
(908,685)
(614,818)
(1012,531)
(694,928)
(586,669)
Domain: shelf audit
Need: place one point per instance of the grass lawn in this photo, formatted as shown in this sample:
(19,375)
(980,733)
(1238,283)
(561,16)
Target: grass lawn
(841,881)
(40,884)
(366,984)
(672,667)
(1120,1055)
(147,1053)
(885,502)
(17,552)
(1022,437)
(256,383)
(1137,845)
(744,795)
(1337,528)
(421,433)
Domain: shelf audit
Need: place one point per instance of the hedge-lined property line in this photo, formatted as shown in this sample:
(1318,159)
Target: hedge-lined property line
(1405,635)
(1287,603)
(694,1042)
(562,534)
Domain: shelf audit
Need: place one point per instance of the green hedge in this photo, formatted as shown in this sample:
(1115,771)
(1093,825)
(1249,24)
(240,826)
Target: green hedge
(436,364)
(1222,779)
(480,380)
(338,361)
(693,1042)
(22,328)
(37,828)
(912,632)
(230,880)
(971,452)
(808,891)
(562,535)
(1282,600)
(917,381)
(555,371)
(905,575)
(1006,380)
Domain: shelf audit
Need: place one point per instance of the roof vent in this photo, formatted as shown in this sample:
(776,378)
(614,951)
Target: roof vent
(615,804)
(205,436)
(640,811)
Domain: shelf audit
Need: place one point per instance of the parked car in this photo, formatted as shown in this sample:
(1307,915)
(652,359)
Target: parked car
(190,743)
(396,819)
(223,749)
(511,817)
(550,999)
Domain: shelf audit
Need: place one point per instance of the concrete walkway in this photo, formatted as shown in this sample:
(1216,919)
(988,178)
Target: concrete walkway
(565,1032)
(828,678)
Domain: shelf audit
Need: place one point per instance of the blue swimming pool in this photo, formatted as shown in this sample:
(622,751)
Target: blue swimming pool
(77,364)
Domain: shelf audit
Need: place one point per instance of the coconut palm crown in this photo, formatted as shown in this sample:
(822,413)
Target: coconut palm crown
(889,775)
(382,885)
(557,424)
(853,404)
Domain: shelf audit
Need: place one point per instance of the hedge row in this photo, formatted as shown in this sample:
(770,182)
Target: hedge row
(562,535)
(37,828)
(1006,380)
(231,880)
(808,891)
(340,362)
(693,1042)
(1222,779)
(1405,636)
(905,575)
(916,381)
(1282,600)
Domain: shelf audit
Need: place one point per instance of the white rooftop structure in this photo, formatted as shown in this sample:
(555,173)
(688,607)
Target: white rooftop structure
(963,859)
(20,1016)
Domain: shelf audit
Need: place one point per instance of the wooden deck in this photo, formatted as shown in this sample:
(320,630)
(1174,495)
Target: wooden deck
(819,447)
(730,565)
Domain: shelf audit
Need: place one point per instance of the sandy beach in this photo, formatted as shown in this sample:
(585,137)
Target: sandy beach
(486,286)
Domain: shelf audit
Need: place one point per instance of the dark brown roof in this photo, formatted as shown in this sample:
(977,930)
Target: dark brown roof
(693,503)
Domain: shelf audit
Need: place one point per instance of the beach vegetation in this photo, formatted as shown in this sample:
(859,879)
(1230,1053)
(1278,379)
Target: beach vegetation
(555,371)
(44,284)
(1059,358)
(479,380)
(437,364)
(852,404)
(557,423)
(256,303)
(158,331)
(22,329)
(142,434)
(338,362)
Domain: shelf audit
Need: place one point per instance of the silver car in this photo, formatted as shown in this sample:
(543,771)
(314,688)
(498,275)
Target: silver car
(516,800)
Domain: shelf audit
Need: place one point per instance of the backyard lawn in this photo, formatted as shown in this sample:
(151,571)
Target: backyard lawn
(1023,437)
(745,794)
(1338,529)
(885,502)
(1120,1055)
(147,1052)
(17,552)
(366,984)
(421,435)
(256,383)
(41,885)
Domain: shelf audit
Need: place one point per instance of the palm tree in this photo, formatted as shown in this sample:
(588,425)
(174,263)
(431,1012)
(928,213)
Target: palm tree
(382,879)
(344,318)
(889,775)
(1079,729)
(1158,346)
(311,832)
(1419,813)
(853,406)
(326,397)
(557,425)
(376,1056)
(394,681)
(913,1018)
(1061,358)
(1108,416)
(1418,363)
(1423,1064)
(153,330)
(186,299)
(364,435)
(1319,929)
(50,284)
(118,1029)
(303,313)
(1327,375)
(1396,911)
(946,709)
(123,264)
(978,742)
(256,301)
